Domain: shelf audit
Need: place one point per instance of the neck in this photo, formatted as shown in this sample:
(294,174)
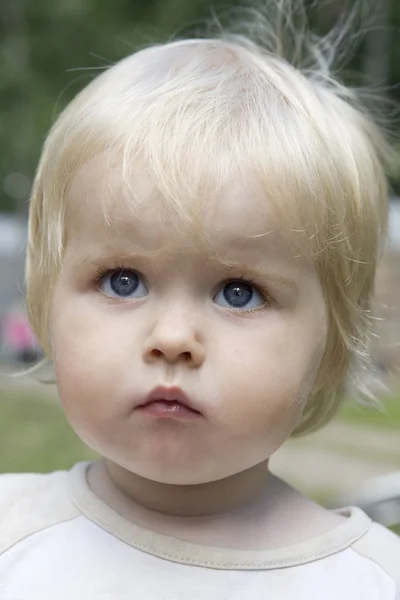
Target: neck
(206,499)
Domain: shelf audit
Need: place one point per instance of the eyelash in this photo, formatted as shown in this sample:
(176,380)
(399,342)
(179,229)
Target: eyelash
(101,272)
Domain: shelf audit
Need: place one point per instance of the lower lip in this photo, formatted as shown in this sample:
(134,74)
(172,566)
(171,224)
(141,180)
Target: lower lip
(172,410)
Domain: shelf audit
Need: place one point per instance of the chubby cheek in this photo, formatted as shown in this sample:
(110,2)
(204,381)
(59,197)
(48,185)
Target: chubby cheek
(269,385)
(90,358)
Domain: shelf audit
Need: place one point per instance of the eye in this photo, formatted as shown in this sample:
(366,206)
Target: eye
(240,295)
(122,283)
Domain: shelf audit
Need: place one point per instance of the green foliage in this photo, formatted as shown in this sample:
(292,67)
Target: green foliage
(43,46)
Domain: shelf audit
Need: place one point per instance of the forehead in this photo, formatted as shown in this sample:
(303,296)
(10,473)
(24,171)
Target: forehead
(102,209)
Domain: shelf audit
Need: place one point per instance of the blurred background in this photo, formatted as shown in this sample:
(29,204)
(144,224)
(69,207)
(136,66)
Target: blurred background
(48,52)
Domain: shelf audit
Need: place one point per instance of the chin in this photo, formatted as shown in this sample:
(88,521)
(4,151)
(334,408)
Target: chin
(172,474)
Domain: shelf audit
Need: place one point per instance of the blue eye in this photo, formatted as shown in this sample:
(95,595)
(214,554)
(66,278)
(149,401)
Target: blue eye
(122,283)
(240,295)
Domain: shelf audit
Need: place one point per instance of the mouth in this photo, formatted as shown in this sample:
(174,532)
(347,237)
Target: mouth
(169,402)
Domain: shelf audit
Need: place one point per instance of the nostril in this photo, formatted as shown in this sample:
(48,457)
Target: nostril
(185,356)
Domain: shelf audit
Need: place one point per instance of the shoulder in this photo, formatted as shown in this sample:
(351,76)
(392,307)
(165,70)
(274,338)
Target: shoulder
(381,547)
(32,502)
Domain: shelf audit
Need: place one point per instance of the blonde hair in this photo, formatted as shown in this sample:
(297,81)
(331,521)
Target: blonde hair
(198,110)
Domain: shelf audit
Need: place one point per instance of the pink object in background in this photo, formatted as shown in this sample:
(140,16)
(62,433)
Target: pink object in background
(17,334)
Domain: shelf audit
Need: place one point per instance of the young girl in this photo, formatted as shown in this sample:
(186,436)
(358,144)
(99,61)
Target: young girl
(204,232)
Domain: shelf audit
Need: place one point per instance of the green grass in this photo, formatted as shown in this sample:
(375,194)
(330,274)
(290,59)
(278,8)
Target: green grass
(386,418)
(396,529)
(35,435)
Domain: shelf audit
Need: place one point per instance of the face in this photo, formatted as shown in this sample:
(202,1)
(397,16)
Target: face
(229,318)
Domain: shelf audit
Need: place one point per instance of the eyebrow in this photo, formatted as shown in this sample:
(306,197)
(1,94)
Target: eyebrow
(112,254)
(257,271)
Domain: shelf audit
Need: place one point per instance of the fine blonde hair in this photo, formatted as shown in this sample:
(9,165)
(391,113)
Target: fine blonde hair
(200,110)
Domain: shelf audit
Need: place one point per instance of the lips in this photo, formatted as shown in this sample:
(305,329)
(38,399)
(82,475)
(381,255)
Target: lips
(172,396)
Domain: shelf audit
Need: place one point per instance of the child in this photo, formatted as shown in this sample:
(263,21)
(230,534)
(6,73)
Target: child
(204,230)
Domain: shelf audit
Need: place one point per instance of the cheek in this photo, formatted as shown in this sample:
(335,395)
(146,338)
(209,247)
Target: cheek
(84,340)
(90,356)
(270,381)
(86,384)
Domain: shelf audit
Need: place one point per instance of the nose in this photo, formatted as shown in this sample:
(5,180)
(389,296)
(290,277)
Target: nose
(174,338)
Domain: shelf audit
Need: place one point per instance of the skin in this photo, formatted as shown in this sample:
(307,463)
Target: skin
(249,373)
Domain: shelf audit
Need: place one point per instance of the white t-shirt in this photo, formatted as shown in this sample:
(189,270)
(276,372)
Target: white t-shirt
(59,541)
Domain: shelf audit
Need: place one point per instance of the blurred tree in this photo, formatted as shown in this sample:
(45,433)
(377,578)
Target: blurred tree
(49,50)
(377,47)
